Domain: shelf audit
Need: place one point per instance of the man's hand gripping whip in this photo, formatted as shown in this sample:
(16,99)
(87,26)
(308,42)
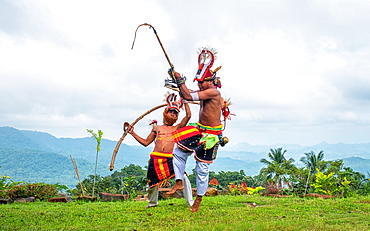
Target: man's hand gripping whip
(125,125)
(169,83)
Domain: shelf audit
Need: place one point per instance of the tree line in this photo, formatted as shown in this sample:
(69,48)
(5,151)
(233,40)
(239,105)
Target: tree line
(280,175)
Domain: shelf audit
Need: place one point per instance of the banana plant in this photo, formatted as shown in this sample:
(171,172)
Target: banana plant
(98,140)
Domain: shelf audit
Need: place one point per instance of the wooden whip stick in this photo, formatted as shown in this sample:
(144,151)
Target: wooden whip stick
(125,133)
(160,43)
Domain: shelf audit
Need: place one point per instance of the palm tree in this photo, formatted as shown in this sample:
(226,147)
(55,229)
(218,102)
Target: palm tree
(279,166)
(276,155)
(313,161)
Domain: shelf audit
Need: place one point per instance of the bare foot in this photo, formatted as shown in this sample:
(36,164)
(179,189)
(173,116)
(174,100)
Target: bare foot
(178,186)
(196,205)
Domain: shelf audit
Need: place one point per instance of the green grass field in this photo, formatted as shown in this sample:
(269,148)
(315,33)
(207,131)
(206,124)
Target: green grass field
(216,213)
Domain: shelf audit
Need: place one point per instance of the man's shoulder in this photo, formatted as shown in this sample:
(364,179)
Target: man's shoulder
(166,127)
(212,92)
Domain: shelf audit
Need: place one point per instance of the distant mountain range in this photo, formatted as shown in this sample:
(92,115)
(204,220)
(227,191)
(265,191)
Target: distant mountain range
(33,156)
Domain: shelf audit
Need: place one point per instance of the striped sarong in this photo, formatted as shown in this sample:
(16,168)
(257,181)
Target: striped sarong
(160,168)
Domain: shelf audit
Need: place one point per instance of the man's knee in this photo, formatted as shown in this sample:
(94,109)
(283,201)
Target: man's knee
(203,172)
(202,169)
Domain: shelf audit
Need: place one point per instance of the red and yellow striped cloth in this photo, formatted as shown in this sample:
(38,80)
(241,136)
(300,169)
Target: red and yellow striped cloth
(160,168)
(184,133)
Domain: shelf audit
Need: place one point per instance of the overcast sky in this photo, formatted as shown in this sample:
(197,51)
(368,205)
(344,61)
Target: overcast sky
(297,72)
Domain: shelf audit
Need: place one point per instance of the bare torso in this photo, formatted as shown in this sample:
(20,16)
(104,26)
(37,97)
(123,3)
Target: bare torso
(210,111)
(164,140)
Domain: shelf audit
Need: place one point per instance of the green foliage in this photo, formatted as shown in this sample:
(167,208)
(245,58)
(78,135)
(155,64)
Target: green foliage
(6,182)
(234,189)
(279,168)
(223,178)
(130,170)
(324,184)
(354,177)
(214,184)
(102,184)
(319,176)
(32,156)
(313,161)
(40,191)
(97,137)
(331,185)
(254,191)
(345,188)
(130,180)
(276,155)
(128,186)
(300,181)
(98,140)
(243,189)
(364,188)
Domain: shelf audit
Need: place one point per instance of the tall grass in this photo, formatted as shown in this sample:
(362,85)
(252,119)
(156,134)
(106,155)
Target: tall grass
(216,213)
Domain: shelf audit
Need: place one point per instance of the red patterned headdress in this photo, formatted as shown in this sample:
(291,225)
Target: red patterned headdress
(204,69)
(205,61)
(172,103)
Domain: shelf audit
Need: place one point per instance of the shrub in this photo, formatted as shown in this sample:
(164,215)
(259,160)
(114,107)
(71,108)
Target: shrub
(243,189)
(6,182)
(364,187)
(254,190)
(324,184)
(233,189)
(273,188)
(214,183)
(40,191)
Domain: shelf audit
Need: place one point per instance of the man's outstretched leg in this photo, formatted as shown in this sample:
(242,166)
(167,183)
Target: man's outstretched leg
(196,205)
(178,186)
(202,174)
(179,163)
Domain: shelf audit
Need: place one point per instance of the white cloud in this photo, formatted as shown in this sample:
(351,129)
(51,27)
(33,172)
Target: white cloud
(296,72)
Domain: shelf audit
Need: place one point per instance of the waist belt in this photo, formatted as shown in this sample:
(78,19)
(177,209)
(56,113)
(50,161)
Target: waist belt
(215,130)
(161,154)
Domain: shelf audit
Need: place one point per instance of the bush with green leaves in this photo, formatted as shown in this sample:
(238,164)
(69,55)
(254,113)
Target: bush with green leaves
(6,182)
(329,184)
(364,188)
(242,188)
(131,180)
(40,191)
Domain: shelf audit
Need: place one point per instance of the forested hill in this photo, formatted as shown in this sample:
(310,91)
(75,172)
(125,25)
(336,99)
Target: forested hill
(33,156)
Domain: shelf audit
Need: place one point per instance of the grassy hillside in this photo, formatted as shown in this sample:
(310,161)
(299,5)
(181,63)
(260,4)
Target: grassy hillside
(216,213)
